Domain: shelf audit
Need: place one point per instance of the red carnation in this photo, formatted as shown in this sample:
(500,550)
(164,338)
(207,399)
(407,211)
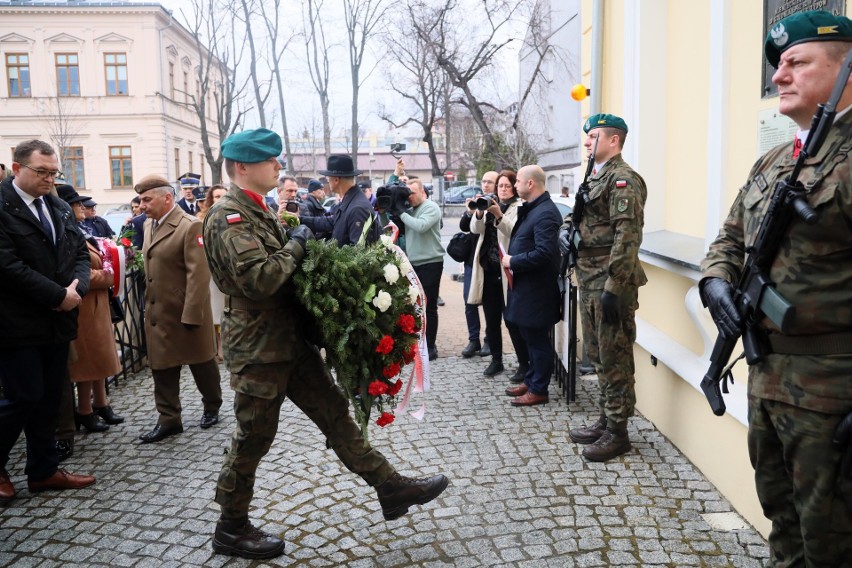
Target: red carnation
(377,388)
(395,388)
(385,345)
(125,242)
(406,323)
(408,354)
(391,370)
(385,419)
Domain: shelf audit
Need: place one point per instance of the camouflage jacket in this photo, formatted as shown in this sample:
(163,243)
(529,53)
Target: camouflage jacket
(613,218)
(813,269)
(251,260)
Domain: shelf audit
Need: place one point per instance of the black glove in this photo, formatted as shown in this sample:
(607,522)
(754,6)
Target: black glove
(718,295)
(302,234)
(564,244)
(843,442)
(610,308)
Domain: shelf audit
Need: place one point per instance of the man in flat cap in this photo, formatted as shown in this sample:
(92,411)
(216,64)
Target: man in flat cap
(312,204)
(609,275)
(93,224)
(353,211)
(799,393)
(178,317)
(263,332)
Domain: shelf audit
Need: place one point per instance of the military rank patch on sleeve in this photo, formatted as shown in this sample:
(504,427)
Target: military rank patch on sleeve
(233,218)
(621,183)
(623,204)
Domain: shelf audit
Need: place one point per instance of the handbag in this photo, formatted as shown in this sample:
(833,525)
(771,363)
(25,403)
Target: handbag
(461,246)
(116,310)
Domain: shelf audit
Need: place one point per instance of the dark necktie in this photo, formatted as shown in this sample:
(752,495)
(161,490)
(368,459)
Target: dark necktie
(43,218)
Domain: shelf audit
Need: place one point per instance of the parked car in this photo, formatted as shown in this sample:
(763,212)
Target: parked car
(460,194)
(563,204)
(329,202)
(116,219)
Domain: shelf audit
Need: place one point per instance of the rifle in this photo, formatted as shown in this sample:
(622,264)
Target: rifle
(569,261)
(755,295)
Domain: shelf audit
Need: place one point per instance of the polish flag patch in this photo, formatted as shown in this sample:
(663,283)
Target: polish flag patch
(200,240)
(233,218)
(621,183)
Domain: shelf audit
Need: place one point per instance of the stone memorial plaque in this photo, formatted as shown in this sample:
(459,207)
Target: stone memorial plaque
(773,128)
(775,11)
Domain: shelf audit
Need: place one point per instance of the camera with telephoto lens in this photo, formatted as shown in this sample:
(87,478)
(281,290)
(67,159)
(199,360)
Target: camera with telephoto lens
(291,206)
(393,198)
(482,203)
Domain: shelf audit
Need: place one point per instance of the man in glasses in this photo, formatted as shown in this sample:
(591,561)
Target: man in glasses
(44,271)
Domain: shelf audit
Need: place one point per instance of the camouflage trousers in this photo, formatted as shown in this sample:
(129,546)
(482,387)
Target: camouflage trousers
(796,472)
(260,392)
(610,350)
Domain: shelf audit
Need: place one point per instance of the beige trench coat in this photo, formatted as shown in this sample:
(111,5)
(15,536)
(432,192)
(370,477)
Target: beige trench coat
(504,231)
(178,292)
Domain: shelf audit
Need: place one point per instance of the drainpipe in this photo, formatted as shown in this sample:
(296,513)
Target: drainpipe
(597,56)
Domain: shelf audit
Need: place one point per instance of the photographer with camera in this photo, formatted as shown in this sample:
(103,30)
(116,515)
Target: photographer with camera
(392,200)
(423,247)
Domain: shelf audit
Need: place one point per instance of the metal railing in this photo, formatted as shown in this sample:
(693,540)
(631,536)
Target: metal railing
(130,332)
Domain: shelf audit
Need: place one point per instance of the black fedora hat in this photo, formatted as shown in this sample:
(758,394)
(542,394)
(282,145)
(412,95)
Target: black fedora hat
(69,195)
(340,165)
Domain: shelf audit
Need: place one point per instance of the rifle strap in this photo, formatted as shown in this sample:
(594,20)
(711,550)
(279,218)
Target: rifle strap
(593,251)
(825,344)
(821,171)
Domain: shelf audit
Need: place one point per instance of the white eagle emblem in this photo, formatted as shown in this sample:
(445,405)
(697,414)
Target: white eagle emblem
(779,35)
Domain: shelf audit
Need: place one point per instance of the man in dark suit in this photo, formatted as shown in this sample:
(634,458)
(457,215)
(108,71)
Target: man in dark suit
(347,222)
(178,316)
(533,299)
(44,271)
(189,202)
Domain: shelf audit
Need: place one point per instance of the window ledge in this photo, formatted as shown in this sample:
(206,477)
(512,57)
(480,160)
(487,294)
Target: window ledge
(672,251)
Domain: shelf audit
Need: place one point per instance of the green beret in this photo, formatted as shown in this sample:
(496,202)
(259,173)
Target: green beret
(802,27)
(252,146)
(604,121)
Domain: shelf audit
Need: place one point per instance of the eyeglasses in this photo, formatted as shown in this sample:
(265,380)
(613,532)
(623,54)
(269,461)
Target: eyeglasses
(44,174)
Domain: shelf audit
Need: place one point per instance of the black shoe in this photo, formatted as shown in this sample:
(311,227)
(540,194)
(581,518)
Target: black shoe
(485,351)
(472,349)
(399,493)
(64,449)
(519,375)
(209,419)
(91,422)
(108,415)
(433,353)
(440,301)
(159,432)
(240,538)
(496,366)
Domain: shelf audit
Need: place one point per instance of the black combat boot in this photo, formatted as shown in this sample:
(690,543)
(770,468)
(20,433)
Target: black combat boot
(496,366)
(589,434)
(399,493)
(519,375)
(611,444)
(239,538)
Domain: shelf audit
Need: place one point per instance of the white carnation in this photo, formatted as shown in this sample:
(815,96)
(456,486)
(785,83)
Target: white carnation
(413,294)
(391,273)
(382,301)
(386,240)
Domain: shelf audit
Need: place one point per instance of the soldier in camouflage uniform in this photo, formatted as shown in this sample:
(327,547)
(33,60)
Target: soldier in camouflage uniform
(800,394)
(609,275)
(263,335)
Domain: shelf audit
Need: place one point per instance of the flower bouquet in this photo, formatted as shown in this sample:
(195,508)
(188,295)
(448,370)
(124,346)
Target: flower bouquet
(366,302)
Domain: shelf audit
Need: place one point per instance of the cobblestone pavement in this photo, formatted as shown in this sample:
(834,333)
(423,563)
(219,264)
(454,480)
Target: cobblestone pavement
(520,494)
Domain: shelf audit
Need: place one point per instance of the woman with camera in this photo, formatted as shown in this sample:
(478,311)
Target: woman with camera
(492,219)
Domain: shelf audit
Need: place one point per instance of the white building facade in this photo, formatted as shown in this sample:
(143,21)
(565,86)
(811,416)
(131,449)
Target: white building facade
(106,84)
